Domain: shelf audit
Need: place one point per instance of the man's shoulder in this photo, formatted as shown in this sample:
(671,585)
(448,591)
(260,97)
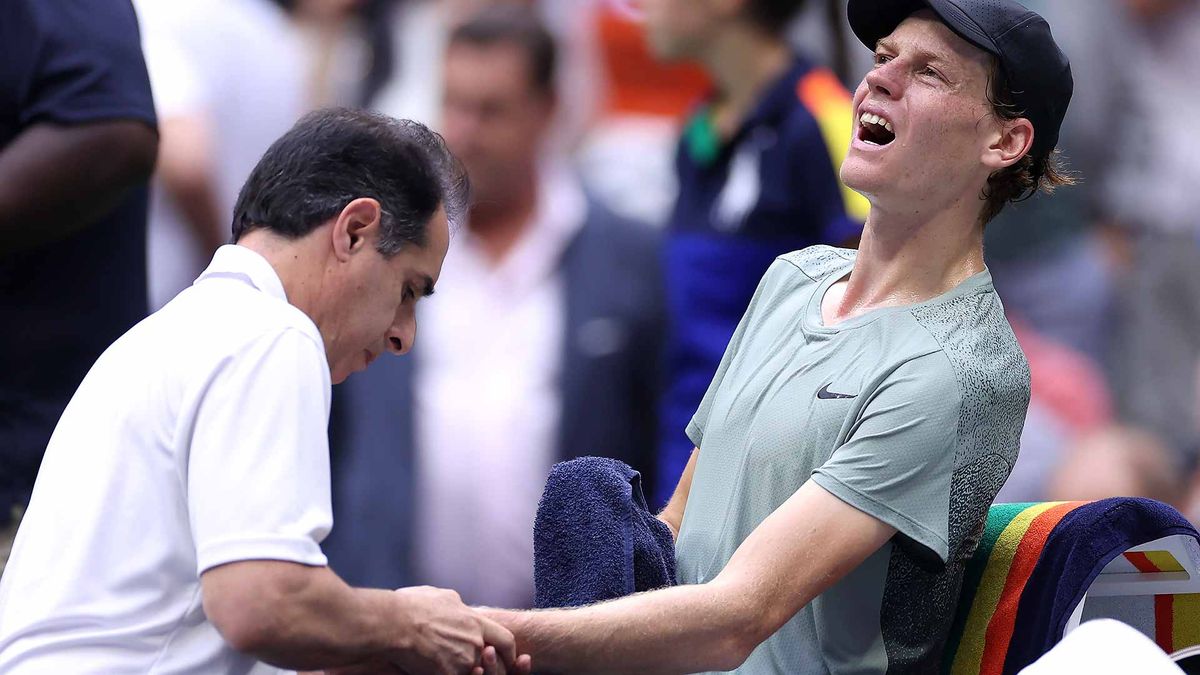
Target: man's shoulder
(816,96)
(972,328)
(974,335)
(228,316)
(818,262)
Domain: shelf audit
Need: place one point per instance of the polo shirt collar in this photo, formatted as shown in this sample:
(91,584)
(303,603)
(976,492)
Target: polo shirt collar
(239,262)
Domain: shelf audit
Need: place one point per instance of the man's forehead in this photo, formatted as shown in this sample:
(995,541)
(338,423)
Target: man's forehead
(924,32)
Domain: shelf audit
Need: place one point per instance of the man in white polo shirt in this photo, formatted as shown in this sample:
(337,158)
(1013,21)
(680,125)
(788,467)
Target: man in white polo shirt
(176,519)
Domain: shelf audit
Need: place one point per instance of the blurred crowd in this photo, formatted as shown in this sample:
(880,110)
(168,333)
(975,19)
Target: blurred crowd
(622,216)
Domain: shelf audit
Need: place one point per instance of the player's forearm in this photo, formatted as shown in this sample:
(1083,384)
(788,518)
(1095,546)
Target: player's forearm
(303,618)
(684,629)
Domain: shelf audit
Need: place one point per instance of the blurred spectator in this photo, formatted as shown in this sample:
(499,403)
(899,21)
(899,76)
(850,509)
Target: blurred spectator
(546,348)
(77,145)
(1069,399)
(1118,462)
(1151,193)
(418,30)
(757,167)
(219,108)
(626,156)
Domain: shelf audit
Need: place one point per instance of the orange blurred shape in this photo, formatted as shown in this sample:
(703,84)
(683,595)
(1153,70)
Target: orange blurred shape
(637,83)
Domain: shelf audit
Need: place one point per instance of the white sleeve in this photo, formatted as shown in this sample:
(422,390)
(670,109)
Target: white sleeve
(258,460)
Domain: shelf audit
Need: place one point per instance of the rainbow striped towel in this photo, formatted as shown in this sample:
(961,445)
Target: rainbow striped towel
(1034,564)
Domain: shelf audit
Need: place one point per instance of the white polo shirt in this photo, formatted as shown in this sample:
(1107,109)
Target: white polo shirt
(197,439)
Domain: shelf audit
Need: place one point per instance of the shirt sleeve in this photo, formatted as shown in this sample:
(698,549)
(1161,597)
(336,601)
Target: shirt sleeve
(898,461)
(258,462)
(85,63)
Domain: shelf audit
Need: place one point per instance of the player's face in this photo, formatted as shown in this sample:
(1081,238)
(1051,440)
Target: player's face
(676,29)
(377,313)
(922,119)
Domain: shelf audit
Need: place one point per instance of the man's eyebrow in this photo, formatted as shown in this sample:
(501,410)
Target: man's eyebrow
(428,290)
(921,52)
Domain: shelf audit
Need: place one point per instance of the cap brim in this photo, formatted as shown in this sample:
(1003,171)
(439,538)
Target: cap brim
(872,20)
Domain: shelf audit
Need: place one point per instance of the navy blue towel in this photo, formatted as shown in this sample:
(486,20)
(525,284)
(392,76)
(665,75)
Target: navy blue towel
(1083,542)
(595,539)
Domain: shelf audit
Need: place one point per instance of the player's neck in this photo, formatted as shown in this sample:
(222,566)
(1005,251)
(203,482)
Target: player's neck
(908,257)
(742,63)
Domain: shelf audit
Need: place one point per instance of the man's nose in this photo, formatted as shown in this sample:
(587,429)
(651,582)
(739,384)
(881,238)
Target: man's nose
(885,80)
(402,334)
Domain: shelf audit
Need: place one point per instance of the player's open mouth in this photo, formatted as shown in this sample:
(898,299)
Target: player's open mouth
(874,129)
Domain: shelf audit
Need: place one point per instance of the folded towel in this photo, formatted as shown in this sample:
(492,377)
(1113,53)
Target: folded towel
(594,537)
(1033,564)
(1080,547)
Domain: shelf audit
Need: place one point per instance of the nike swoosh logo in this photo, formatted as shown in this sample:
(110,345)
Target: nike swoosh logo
(825,393)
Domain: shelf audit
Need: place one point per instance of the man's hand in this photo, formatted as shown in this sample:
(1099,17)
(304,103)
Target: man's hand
(446,637)
(306,618)
(492,665)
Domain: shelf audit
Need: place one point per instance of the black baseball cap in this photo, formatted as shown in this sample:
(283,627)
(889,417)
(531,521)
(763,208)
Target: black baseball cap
(1037,71)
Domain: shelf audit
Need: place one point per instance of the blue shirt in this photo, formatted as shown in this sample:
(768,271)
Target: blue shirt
(65,62)
(770,189)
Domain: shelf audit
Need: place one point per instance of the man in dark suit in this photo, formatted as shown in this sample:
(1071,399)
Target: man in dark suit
(546,347)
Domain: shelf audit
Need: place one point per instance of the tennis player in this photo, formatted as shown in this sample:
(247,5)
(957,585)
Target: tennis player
(869,406)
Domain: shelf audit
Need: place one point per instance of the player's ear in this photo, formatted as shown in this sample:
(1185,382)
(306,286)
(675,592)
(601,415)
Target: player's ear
(1009,141)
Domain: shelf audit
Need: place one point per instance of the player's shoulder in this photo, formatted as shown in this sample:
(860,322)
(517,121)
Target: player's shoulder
(973,333)
(815,262)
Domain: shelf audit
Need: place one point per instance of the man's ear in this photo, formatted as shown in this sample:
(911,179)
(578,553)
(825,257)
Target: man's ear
(356,227)
(1012,142)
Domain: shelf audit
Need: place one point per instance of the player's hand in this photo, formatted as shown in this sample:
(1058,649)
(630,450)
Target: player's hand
(492,665)
(442,636)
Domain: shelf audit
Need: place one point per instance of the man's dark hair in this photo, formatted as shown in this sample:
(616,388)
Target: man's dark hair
(332,157)
(1032,173)
(772,16)
(519,27)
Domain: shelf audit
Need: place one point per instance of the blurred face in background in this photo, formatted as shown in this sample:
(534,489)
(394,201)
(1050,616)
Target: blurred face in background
(494,117)
(679,29)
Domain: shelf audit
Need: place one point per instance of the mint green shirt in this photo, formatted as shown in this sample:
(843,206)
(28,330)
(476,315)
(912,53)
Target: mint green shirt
(910,414)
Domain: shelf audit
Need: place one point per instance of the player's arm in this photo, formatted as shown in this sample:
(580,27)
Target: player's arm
(672,513)
(304,617)
(809,543)
(57,179)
